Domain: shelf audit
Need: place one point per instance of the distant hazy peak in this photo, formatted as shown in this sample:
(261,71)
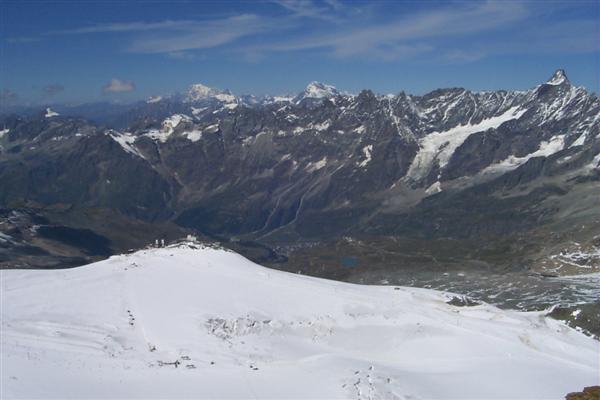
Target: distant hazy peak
(319,90)
(199,91)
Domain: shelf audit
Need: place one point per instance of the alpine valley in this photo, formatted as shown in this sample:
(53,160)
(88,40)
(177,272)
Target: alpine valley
(500,187)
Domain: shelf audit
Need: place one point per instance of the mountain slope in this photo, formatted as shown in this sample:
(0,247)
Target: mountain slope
(238,330)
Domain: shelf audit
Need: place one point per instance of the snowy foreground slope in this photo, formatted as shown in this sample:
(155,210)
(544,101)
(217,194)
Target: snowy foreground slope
(237,330)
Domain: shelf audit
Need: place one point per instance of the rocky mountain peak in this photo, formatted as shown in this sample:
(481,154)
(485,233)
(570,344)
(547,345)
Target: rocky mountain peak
(558,78)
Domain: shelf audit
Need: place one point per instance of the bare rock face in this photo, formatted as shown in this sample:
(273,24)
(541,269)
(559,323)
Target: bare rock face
(583,317)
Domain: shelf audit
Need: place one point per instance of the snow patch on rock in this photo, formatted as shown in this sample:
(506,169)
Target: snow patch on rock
(193,136)
(360,129)
(50,113)
(367,154)
(546,148)
(168,127)
(225,98)
(154,99)
(169,124)
(439,146)
(322,126)
(214,128)
(200,110)
(578,256)
(435,187)
(126,140)
(317,165)
(595,164)
(580,140)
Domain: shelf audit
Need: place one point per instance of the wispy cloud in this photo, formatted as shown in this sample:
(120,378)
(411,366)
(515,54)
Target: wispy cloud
(567,36)
(181,55)
(23,39)
(406,32)
(172,37)
(205,35)
(457,32)
(118,86)
(560,38)
(310,9)
(134,26)
(462,56)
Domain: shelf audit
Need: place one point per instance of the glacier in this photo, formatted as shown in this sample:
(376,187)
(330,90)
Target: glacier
(193,320)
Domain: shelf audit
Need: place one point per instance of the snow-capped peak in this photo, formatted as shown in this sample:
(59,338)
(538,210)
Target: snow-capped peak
(558,78)
(199,91)
(50,113)
(317,90)
(174,120)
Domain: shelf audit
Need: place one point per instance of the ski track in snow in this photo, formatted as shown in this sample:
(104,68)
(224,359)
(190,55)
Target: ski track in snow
(195,321)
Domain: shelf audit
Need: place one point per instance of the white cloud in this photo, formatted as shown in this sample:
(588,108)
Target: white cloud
(118,86)
(308,9)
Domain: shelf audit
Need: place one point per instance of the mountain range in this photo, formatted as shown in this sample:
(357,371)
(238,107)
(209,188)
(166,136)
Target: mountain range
(349,186)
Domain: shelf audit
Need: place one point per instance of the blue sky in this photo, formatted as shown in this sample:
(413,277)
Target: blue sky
(121,51)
